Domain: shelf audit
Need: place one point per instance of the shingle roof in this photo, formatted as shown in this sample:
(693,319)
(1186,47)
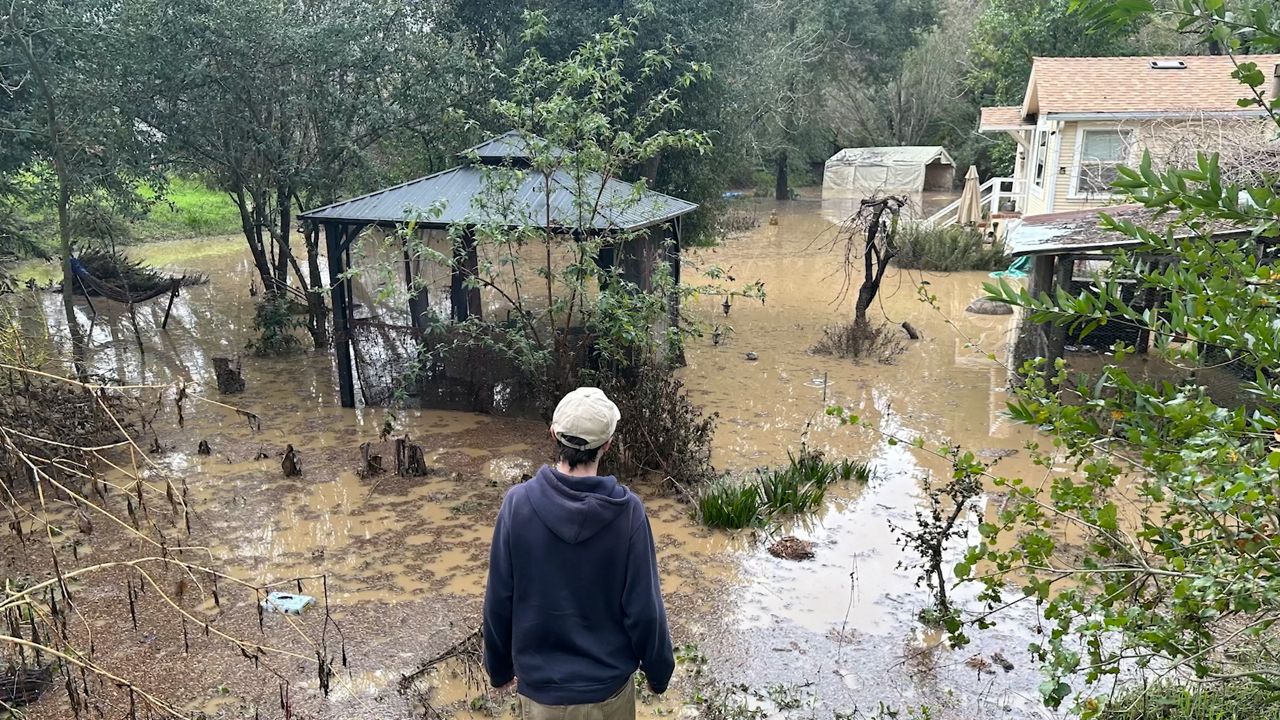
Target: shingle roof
(455,197)
(1130,84)
(1002,117)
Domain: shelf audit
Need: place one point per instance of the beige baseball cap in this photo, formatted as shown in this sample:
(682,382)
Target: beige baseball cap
(585,414)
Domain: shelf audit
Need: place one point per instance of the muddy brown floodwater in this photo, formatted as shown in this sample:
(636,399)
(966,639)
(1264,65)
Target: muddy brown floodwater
(406,557)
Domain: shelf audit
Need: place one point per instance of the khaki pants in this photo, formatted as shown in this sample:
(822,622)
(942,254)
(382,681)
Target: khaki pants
(622,706)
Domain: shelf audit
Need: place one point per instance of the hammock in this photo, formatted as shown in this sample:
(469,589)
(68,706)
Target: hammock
(119,294)
(122,295)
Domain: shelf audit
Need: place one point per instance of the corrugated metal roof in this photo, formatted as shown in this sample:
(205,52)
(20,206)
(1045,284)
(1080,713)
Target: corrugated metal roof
(456,196)
(510,144)
(900,155)
(1080,231)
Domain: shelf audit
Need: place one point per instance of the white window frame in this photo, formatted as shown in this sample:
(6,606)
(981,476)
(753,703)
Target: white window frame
(1041,134)
(1077,165)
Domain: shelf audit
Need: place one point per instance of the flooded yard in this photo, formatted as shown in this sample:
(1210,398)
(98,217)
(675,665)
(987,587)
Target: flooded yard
(405,557)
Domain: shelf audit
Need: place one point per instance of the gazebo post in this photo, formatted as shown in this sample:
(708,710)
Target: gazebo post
(1032,341)
(672,251)
(419,299)
(1064,268)
(465,302)
(335,236)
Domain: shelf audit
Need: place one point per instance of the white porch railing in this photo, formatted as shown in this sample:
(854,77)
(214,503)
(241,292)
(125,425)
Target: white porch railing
(991,194)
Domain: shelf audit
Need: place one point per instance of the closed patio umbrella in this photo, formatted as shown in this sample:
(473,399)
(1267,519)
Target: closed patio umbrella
(970,210)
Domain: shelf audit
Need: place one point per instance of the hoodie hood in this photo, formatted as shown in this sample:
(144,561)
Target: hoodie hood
(576,508)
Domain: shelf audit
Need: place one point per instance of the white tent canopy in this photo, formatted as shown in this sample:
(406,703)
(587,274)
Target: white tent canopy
(880,170)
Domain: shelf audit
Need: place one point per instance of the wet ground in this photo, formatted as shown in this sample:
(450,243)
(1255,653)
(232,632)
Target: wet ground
(405,557)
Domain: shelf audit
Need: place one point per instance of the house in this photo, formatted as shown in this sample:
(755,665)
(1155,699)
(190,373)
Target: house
(1081,118)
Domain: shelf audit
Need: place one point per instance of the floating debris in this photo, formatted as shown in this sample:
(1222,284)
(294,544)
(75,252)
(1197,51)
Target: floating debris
(286,603)
(1005,664)
(792,548)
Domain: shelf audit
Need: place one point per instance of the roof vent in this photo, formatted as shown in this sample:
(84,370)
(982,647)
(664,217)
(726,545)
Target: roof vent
(1168,65)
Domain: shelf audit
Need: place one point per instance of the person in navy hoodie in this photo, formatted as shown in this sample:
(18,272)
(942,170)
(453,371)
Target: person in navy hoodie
(573,607)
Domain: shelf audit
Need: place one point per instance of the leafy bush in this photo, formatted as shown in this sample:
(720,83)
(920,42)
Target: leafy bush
(661,431)
(947,249)
(855,341)
(276,321)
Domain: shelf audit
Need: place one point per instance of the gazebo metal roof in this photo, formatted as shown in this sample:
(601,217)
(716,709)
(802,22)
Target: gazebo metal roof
(453,197)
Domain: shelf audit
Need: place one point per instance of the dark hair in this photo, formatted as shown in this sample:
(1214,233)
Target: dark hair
(572,456)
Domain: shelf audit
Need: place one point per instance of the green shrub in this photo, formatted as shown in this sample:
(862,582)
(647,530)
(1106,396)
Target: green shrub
(947,249)
(276,321)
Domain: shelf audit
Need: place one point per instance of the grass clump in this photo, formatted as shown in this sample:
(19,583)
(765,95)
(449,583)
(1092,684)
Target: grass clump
(795,489)
(947,249)
(858,341)
(1223,701)
(729,505)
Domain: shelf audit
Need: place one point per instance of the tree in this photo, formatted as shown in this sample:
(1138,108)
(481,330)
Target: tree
(1175,490)
(1010,33)
(282,119)
(64,119)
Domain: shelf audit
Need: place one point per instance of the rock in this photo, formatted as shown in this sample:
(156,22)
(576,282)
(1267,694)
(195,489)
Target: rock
(509,470)
(792,548)
(752,356)
(985,306)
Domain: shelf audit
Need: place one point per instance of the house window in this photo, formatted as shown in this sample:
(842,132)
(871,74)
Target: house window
(1102,152)
(1041,159)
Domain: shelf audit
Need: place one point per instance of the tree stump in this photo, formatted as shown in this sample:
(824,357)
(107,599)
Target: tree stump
(230,381)
(290,464)
(372,464)
(410,461)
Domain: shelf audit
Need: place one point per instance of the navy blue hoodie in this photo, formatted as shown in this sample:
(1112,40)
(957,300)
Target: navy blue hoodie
(573,606)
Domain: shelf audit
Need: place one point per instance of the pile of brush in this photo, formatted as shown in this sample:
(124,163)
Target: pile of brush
(118,270)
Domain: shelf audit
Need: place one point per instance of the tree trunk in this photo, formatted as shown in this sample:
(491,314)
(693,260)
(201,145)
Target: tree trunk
(315,301)
(282,236)
(68,275)
(781,186)
(254,238)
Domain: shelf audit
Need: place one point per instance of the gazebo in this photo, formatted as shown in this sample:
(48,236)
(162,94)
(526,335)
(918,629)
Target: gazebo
(453,199)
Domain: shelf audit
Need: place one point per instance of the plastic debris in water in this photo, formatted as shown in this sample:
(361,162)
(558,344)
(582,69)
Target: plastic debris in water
(287,603)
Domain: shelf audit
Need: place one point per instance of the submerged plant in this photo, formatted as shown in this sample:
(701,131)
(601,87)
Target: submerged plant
(795,489)
(275,321)
(728,505)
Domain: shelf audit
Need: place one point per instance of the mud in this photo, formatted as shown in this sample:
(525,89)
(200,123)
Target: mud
(405,557)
